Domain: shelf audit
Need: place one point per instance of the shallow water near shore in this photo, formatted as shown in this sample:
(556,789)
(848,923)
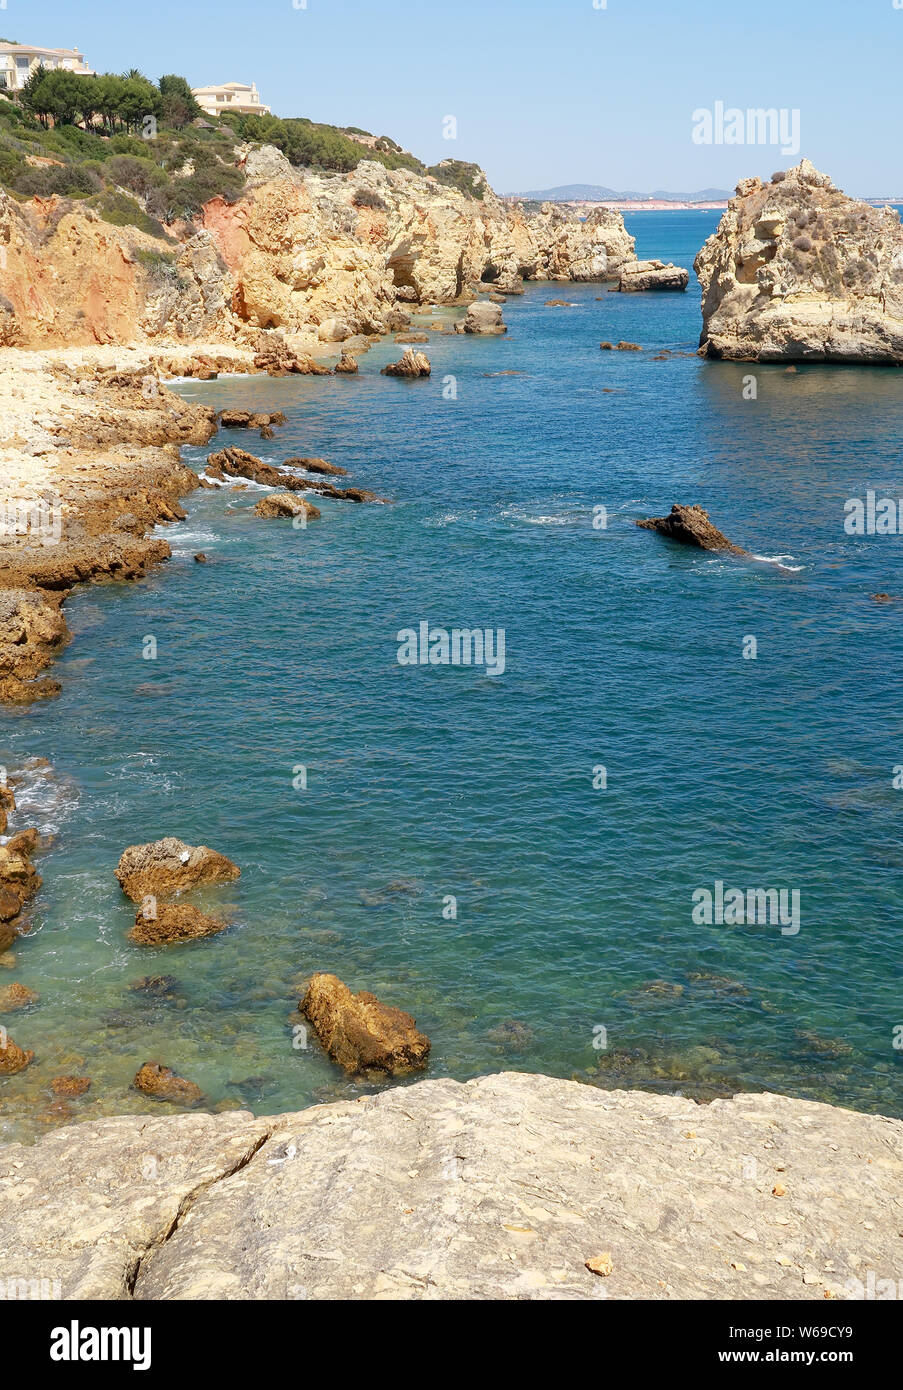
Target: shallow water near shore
(574,903)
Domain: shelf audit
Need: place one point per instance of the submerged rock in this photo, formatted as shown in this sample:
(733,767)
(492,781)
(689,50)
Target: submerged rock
(70,1086)
(161,1082)
(286,504)
(174,922)
(156,986)
(412,364)
(14,997)
(169,866)
(643,276)
(359,1032)
(797,271)
(691,526)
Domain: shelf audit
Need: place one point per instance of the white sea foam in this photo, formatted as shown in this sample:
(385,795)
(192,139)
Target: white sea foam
(780,561)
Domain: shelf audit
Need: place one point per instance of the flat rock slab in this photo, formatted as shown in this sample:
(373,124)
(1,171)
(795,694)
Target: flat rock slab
(503,1187)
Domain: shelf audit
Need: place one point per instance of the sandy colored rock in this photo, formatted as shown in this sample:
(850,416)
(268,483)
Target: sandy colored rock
(412,364)
(13,1058)
(16,996)
(347,365)
(643,276)
(797,271)
(359,1032)
(173,922)
(286,504)
(483,318)
(500,1188)
(167,867)
(162,1084)
(691,526)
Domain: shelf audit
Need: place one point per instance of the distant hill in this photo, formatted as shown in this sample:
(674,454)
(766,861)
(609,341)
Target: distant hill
(597,193)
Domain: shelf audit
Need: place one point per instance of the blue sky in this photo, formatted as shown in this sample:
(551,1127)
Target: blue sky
(543,93)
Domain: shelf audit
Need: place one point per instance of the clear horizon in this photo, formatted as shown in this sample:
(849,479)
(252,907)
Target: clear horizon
(543,96)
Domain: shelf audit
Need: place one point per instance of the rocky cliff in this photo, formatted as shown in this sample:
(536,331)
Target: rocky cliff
(798,271)
(324,255)
(511,1186)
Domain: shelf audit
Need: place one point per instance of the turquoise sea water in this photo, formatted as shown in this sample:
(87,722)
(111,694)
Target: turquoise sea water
(427,782)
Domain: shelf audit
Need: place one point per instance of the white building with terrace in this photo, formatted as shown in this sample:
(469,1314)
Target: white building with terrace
(241,97)
(19,60)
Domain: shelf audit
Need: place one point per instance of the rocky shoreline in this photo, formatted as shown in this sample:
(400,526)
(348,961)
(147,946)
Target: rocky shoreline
(512,1186)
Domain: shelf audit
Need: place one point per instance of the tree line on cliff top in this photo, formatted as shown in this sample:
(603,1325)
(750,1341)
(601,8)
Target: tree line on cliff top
(141,153)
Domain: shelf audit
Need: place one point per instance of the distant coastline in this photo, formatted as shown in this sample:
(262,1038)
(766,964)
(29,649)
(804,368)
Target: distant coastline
(584,205)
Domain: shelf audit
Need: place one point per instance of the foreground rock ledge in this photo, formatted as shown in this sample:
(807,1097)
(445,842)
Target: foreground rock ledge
(500,1188)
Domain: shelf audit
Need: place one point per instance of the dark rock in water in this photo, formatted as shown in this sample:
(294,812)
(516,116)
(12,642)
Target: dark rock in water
(248,419)
(886,598)
(627,347)
(237,463)
(200,558)
(156,986)
(691,526)
(317,465)
(511,1036)
(267,433)
(163,1084)
(607,347)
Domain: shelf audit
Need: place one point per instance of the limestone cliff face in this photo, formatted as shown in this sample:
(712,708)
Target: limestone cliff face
(344,253)
(68,278)
(331,255)
(799,271)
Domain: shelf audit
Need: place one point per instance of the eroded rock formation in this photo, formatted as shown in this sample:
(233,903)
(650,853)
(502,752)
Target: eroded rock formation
(797,271)
(691,526)
(359,1032)
(169,923)
(168,867)
(643,276)
(332,257)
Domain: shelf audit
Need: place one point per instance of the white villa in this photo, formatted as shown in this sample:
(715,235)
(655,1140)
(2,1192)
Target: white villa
(19,60)
(230,96)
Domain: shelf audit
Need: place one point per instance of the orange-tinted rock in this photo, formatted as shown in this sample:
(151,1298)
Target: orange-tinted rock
(168,867)
(285,504)
(12,1058)
(13,997)
(163,1084)
(359,1032)
(70,1085)
(174,922)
